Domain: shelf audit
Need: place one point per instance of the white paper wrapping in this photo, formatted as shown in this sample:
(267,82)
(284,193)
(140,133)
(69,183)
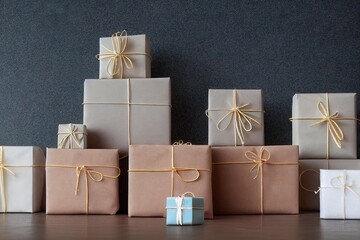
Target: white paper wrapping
(72,136)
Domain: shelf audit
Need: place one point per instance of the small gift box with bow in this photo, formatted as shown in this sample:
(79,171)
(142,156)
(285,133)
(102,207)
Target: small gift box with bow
(123,56)
(339,194)
(22,179)
(324,125)
(82,181)
(185,210)
(72,136)
(236,117)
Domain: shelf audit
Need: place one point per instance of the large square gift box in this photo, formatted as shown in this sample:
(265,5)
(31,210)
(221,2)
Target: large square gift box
(255,180)
(82,181)
(72,136)
(22,180)
(123,56)
(324,125)
(236,117)
(310,178)
(160,171)
(121,112)
(339,194)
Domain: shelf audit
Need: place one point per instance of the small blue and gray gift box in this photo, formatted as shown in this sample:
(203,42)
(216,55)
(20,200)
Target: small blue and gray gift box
(184,210)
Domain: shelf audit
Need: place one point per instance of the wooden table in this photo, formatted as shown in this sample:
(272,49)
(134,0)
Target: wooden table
(305,226)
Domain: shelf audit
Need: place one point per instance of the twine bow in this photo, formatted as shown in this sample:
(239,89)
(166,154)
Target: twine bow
(239,116)
(71,135)
(3,169)
(181,142)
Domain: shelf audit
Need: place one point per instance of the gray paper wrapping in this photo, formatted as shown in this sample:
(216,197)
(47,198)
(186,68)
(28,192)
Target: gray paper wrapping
(107,121)
(80,134)
(223,99)
(312,140)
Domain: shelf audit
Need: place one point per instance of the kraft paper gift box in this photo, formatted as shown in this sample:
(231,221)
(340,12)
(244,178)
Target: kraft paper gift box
(121,112)
(255,180)
(236,117)
(72,136)
(159,171)
(123,56)
(310,178)
(23,178)
(324,125)
(339,194)
(82,181)
(184,210)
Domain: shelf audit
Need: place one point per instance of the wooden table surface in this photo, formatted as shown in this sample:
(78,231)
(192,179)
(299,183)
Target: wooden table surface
(305,226)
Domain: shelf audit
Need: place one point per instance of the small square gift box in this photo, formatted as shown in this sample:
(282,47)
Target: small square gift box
(339,194)
(236,117)
(184,210)
(82,181)
(324,125)
(72,136)
(123,56)
(22,181)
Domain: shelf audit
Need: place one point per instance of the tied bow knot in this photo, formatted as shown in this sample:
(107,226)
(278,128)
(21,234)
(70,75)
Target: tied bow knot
(71,135)
(177,170)
(341,184)
(258,159)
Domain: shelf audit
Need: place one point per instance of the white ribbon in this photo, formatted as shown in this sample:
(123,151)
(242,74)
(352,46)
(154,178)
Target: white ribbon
(179,207)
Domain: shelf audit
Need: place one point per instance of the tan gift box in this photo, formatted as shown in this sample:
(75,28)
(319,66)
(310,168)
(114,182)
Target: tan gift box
(160,171)
(255,180)
(82,181)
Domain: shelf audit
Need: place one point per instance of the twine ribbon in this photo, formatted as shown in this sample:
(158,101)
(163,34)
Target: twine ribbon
(258,160)
(239,116)
(174,170)
(117,56)
(89,173)
(70,135)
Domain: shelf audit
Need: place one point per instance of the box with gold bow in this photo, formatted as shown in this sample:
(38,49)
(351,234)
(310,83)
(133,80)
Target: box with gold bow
(339,194)
(236,117)
(82,181)
(159,171)
(255,180)
(121,112)
(123,56)
(22,179)
(324,125)
(72,136)
(310,178)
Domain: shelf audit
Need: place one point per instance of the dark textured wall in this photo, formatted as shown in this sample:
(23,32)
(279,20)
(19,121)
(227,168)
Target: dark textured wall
(47,49)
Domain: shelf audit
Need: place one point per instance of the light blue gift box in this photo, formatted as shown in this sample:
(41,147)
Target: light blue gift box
(191,211)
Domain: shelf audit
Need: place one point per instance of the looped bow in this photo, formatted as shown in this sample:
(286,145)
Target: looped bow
(341,184)
(258,159)
(70,133)
(177,170)
(117,56)
(181,142)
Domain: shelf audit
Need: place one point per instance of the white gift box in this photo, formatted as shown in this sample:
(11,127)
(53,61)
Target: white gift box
(72,136)
(22,178)
(340,194)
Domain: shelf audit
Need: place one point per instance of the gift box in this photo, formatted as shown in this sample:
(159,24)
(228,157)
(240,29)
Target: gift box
(72,136)
(159,171)
(184,210)
(22,181)
(121,112)
(92,173)
(123,56)
(310,178)
(255,180)
(236,117)
(339,194)
(324,125)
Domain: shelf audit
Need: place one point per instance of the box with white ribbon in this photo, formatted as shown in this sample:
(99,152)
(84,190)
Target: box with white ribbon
(72,136)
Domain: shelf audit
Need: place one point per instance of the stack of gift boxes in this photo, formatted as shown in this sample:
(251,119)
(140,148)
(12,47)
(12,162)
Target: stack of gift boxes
(126,126)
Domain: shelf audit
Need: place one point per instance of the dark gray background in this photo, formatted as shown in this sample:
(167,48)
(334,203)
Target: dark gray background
(47,49)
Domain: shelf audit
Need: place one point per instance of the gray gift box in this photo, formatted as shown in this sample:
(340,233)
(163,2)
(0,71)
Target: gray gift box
(226,106)
(72,136)
(121,112)
(324,125)
(123,56)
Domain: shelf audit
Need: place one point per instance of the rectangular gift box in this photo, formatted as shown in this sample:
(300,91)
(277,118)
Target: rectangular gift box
(236,117)
(159,171)
(320,120)
(242,184)
(82,181)
(184,210)
(72,136)
(116,52)
(310,178)
(121,112)
(340,194)
(23,172)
